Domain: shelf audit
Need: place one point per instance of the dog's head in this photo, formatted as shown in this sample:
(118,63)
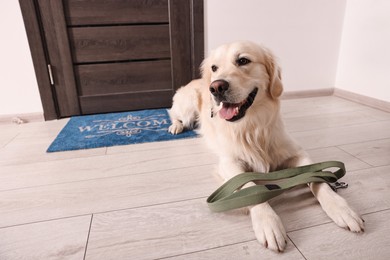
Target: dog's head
(240,75)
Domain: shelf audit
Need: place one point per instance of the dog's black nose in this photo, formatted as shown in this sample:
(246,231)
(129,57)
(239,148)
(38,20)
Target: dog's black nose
(219,87)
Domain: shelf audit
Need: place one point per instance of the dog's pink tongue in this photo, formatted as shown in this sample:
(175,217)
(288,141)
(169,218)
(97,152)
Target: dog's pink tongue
(227,112)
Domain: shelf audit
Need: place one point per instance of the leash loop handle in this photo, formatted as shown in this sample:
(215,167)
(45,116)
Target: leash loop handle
(230,195)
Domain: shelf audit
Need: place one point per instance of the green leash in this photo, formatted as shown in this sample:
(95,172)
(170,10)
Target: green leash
(230,196)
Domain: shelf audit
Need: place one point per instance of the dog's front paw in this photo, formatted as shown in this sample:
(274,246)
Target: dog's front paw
(340,212)
(176,127)
(269,229)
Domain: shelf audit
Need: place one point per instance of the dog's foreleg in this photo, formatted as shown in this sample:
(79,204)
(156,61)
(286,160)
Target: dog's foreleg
(337,208)
(267,225)
(176,127)
(333,204)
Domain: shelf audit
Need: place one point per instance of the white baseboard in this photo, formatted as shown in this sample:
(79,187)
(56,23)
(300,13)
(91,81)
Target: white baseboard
(364,100)
(21,118)
(308,93)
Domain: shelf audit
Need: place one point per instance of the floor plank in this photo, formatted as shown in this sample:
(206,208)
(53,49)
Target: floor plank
(343,135)
(336,243)
(188,143)
(251,250)
(101,195)
(173,229)
(330,120)
(96,167)
(335,154)
(58,239)
(25,150)
(375,113)
(375,153)
(317,106)
(6,138)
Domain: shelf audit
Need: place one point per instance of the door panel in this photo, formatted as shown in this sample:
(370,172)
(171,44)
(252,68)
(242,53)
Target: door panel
(116,43)
(89,12)
(125,101)
(110,78)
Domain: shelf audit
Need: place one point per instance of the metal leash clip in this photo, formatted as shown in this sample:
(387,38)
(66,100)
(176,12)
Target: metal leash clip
(338,185)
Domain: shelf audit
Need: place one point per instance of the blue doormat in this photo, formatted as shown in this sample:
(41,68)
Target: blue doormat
(104,130)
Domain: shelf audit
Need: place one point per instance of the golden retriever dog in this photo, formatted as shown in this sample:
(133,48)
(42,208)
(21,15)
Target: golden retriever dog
(236,103)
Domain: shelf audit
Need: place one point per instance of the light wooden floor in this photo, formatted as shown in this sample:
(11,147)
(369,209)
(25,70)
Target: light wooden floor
(148,201)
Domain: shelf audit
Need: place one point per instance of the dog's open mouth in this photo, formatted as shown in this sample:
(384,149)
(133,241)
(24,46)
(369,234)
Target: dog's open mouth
(234,111)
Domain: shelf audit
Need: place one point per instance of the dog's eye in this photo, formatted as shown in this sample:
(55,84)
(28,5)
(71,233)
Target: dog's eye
(242,61)
(214,68)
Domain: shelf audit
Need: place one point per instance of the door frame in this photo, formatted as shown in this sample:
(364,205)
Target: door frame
(188,51)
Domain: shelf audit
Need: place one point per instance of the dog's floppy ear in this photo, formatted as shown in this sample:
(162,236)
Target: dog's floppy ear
(275,87)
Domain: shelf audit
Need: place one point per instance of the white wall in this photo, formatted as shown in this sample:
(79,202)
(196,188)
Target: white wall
(304,34)
(364,62)
(18,86)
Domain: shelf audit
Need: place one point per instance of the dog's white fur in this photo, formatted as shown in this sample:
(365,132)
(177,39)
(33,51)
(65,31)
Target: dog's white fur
(256,142)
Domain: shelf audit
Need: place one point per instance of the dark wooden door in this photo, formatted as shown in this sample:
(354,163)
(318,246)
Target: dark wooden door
(104,56)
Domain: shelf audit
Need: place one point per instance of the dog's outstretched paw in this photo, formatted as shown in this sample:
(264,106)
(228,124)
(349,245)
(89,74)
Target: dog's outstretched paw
(269,229)
(176,127)
(343,215)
